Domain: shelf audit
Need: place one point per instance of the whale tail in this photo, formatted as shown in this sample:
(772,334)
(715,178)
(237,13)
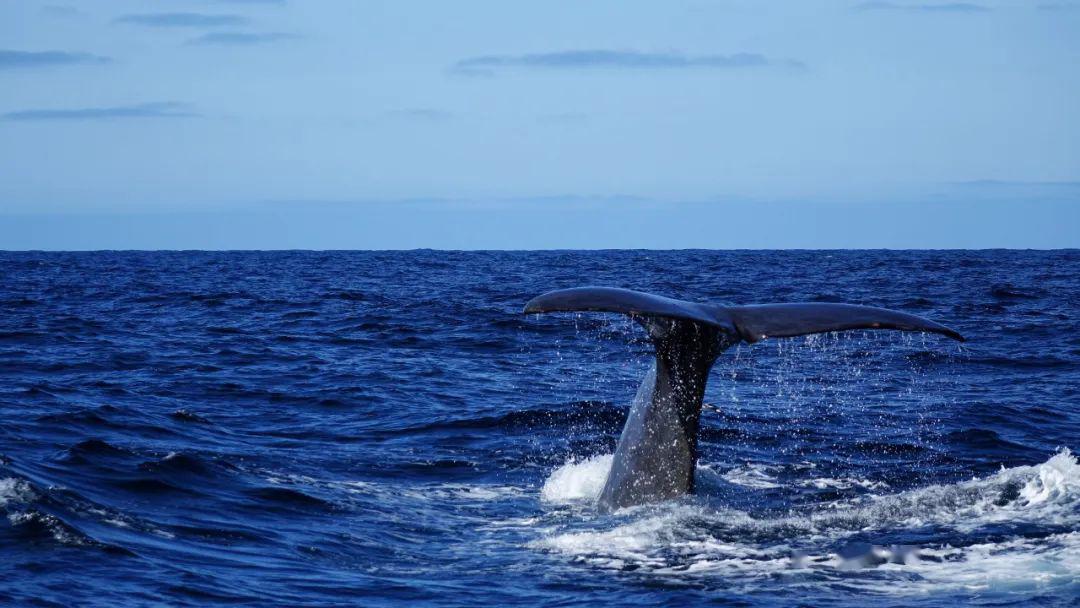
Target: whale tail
(657,451)
(751,323)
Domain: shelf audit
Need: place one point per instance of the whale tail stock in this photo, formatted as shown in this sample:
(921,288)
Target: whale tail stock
(657,451)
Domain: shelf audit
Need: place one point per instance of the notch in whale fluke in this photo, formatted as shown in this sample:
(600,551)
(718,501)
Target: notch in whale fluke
(751,323)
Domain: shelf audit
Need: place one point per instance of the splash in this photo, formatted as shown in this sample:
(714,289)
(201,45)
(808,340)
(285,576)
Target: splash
(1056,481)
(584,481)
(577,481)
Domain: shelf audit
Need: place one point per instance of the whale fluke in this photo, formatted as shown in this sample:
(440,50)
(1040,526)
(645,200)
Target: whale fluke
(751,323)
(657,451)
(626,301)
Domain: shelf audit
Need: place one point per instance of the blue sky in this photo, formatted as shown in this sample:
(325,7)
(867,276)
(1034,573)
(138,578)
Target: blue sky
(399,124)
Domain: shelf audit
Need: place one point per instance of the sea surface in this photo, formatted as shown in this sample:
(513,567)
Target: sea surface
(387,428)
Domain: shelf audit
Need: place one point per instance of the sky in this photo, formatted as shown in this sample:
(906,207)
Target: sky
(356,124)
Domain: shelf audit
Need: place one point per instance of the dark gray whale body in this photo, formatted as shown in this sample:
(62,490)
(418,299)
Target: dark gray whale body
(657,451)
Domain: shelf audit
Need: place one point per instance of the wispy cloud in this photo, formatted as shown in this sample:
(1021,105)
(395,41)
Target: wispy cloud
(36,59)
(240,38)
(58,10)
(616,60)
(161,109)
(181,20)
(947,7)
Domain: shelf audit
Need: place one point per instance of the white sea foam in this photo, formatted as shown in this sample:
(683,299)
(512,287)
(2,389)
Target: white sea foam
(577,481)
(843,483)
(1015,565)
(15,491)
(465,492)
(689,539)
(759,476)
(756,476)
(352,491)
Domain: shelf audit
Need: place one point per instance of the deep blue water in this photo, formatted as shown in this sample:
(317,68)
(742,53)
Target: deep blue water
(316,429)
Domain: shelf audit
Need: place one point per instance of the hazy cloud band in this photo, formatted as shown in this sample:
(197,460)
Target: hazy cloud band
(32,59)
(621,60)
(948,7)
(181,20)
(239,38)
(164,109)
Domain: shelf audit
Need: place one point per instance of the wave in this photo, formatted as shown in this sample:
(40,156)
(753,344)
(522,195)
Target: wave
(182,463)
(184,415)
(1007,291)
(30,515)
(288,498)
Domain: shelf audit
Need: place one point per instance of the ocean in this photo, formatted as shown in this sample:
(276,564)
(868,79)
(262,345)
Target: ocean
(387,429)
